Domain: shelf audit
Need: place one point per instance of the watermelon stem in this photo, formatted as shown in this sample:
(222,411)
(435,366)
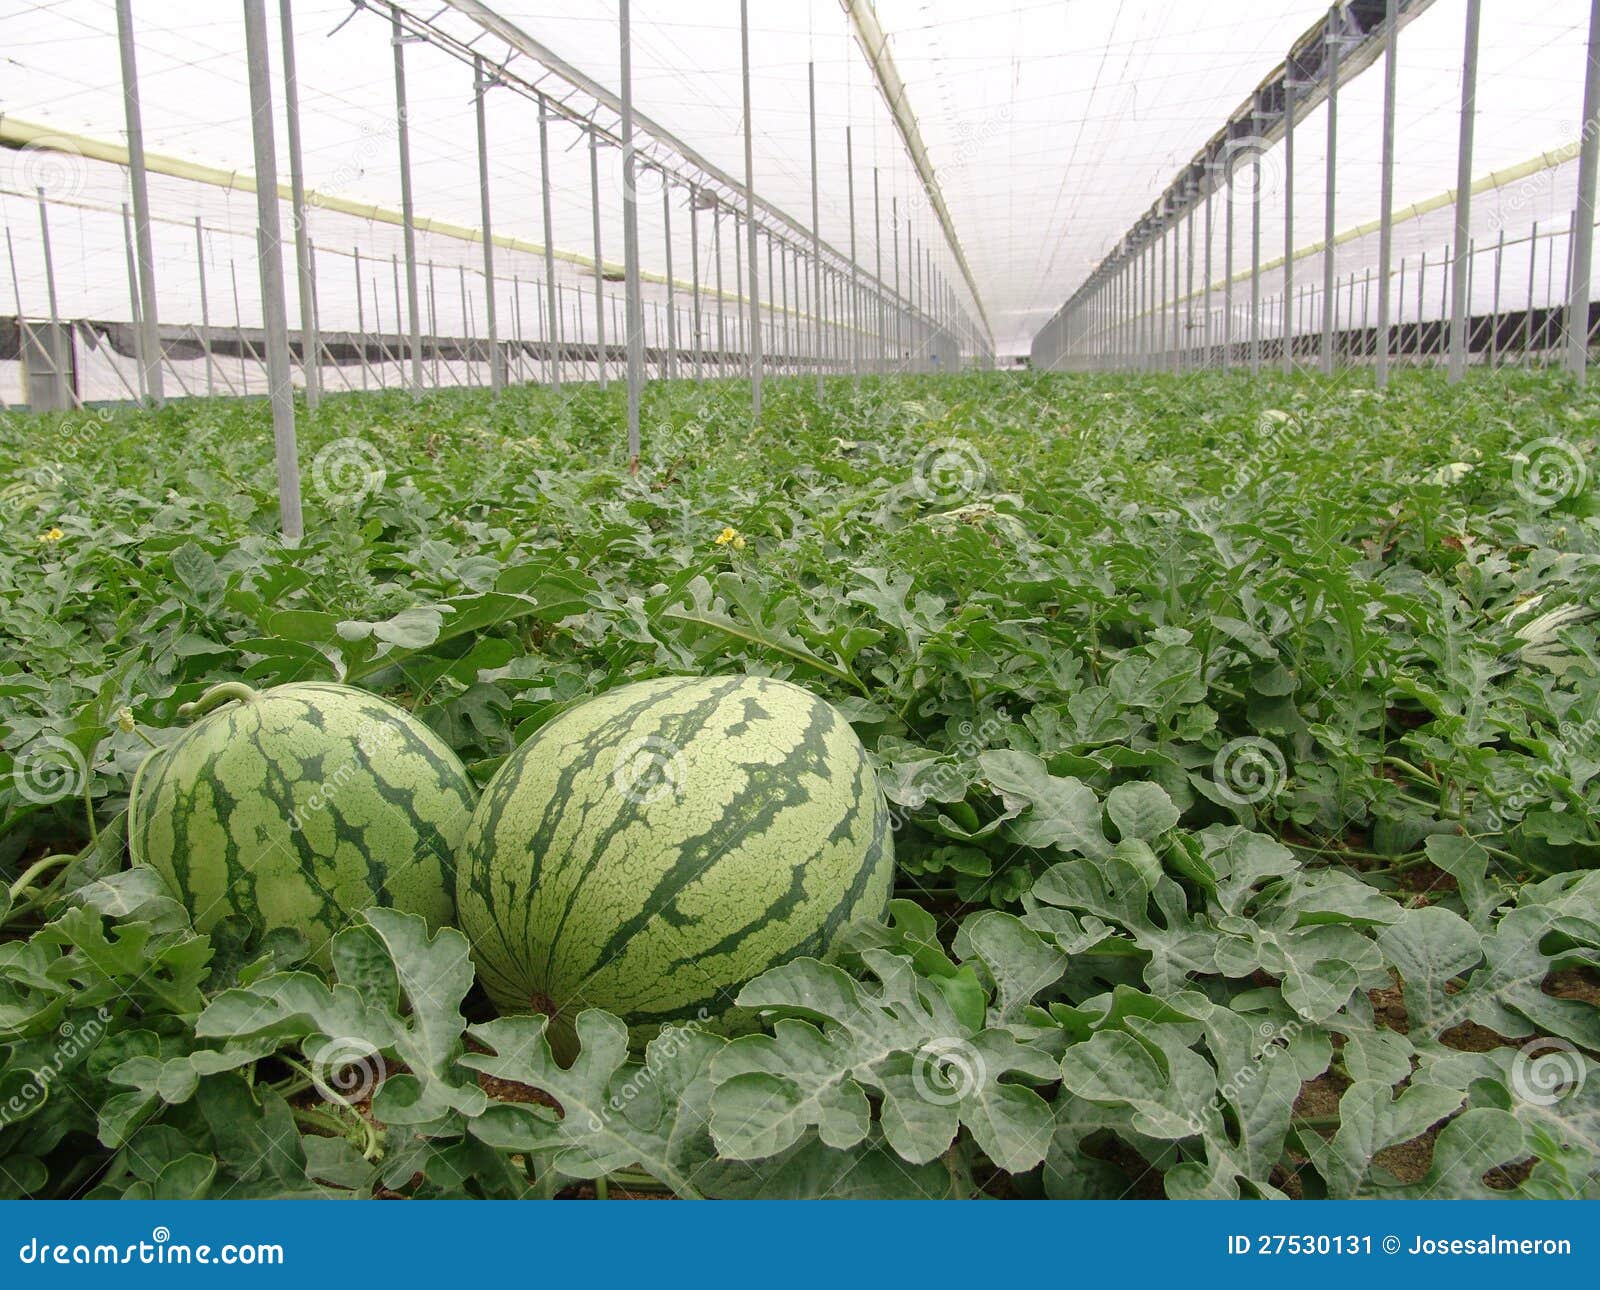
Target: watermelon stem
(216,695)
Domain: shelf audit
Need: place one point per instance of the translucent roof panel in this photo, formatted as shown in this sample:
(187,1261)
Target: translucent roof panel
(1049,128)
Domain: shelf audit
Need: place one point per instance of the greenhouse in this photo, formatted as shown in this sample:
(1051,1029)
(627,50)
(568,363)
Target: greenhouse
(865,599)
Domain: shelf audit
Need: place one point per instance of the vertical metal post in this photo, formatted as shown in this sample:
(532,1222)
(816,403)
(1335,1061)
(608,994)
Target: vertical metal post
(552,309)
(1288,215)
(205,306)
(855,300)
(361,317)
(630,243)
(269,250)
(783,282)
(816,236)
(1334,39)
(1583,246)
(694,274)
(1207,362)
(1459,340)
(1227,281)
(149,332)
(599,271)
(1188,290)
(50,291)
(1386,187)
(750,214)
(238,324)
(738,282)
(135,309)
(433,325)
(1527,317)
(899,309)
(1255,262)
(1494,312)
(672,316)
(497,366)
(722,318)
(877,269)
(407,210)
(310,367)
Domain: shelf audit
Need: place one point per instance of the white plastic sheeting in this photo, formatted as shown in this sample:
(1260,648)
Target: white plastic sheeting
(1050,127)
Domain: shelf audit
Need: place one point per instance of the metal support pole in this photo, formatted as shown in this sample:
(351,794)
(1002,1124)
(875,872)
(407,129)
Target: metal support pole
(361,317)
(310,348)
(1255,263)
(1459,282)
(497,366)
(722,318)
(877,269)
(816,237)
(1207,362)
(1386,198)
(1188,291)
(899,309)
(750,214)
(630,243)
(1227,282)
(1328,203)
(205,306)
(855,299)
(150,336)
(135,310)
(407,210)
(552,311)
(672,317)
(694,276)
(1583,246)
(1288,217)
(1494,312)
(269,250)
(599,271)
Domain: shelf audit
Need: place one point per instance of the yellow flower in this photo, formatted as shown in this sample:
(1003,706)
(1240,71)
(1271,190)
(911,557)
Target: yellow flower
(52,537)
(731,537)
(125,721)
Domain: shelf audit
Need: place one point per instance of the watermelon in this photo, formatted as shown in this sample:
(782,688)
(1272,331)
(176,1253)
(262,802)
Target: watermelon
(651,850)
(298,807)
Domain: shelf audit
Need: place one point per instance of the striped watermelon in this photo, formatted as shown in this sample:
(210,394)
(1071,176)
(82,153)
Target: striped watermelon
(651,850)
(300,806)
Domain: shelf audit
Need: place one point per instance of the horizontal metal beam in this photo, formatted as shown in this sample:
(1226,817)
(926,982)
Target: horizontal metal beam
(1260,121)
